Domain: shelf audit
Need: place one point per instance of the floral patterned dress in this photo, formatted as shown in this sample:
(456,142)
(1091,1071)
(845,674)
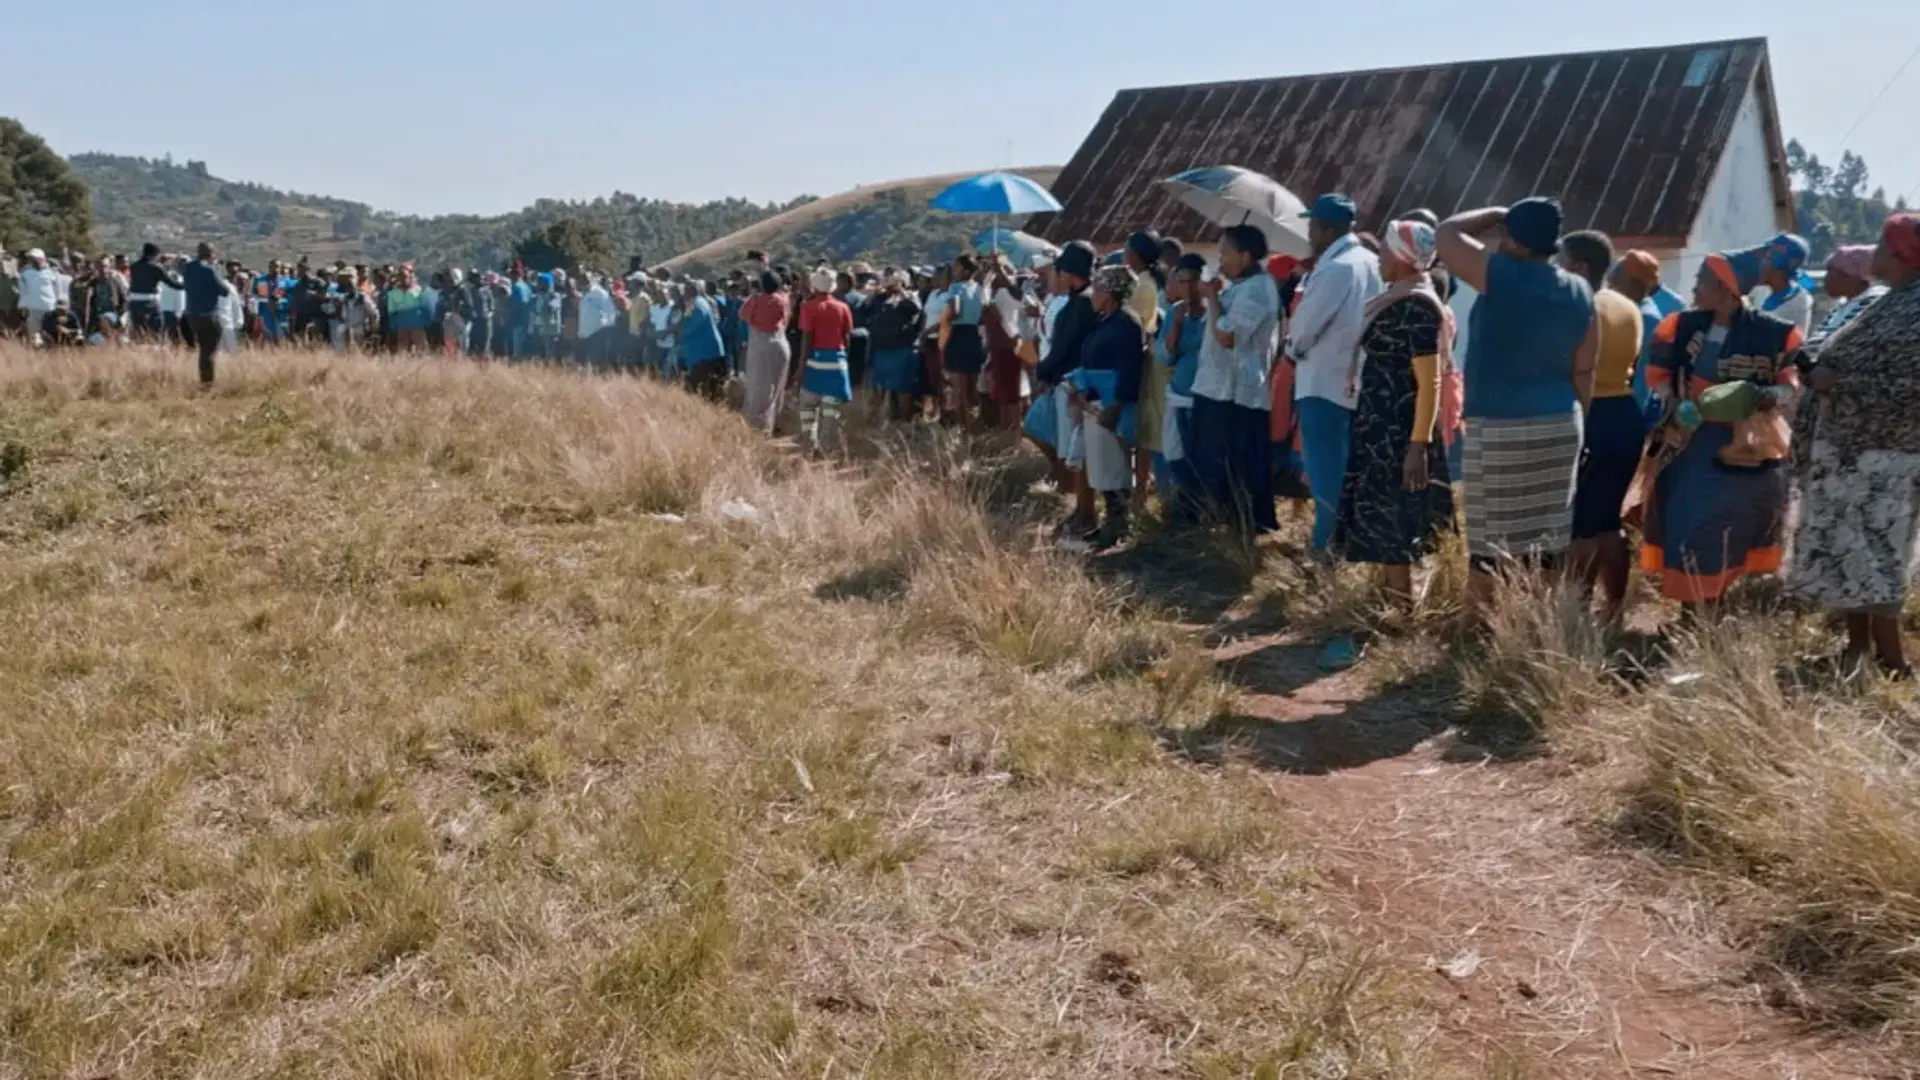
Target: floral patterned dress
(1380,521)
(1858,517)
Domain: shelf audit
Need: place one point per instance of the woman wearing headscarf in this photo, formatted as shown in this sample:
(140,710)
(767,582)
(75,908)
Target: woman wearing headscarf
(826,324)
(1106,388)
(768,355)
(1859,516)
(1850,281)
(1142,256)
(893,326)
(1397,497)
(1531,350)
(1725,371)
(1781,271)
(1232,446)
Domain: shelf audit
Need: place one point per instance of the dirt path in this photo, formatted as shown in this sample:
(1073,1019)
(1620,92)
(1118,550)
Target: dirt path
(1576,961)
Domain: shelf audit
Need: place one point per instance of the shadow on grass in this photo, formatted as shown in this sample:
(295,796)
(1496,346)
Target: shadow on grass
(1326,737)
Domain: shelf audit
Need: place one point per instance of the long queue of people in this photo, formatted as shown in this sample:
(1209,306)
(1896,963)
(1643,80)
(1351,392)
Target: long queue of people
(1589,398)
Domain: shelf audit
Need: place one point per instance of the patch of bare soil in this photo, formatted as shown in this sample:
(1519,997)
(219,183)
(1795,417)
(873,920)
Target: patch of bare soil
(1540,943)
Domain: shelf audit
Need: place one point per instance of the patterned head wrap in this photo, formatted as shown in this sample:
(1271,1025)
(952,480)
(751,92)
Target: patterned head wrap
(1115,281)
(1901,235)
(1412,242)
(1853,260)
(1641,266)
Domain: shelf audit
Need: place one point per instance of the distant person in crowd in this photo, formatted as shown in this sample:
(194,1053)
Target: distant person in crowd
(1636,276)
(1106,391)
(205,289)
(1727,372)
(106,302)
(826,387)
(893,326)
(1616,430)
(597,313)
(1783,291)
(353,318)
(1397,498)
(933,307)
(41,291)
(1005,375)
(1854,551)
(1183,332)
(1232,447)
(1531,351)
(1071,322)
(1322,336)
(1850,282)
(480,302)
(1142,256)
(456,312)
(963,346)
(768,354)
(549,315)
(520,314)
(145,279)
(408,312)
(703,355)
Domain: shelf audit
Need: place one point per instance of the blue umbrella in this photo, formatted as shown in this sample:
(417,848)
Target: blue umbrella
(996,193)
(1024,249)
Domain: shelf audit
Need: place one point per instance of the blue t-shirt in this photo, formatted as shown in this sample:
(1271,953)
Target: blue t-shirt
(1522,336)
(520,304)
(700,334)
(1193,334)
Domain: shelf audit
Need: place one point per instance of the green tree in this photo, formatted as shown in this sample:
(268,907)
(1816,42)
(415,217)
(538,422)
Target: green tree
(1830,206)
(42,202)
(568,244)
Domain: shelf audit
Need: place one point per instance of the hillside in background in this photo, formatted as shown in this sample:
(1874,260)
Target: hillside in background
(177,205)
(880,223)
(135,200)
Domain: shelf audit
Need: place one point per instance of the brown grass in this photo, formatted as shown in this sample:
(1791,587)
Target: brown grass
(372,718)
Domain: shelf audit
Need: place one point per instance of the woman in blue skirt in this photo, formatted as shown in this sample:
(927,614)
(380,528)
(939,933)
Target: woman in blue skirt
(827,385)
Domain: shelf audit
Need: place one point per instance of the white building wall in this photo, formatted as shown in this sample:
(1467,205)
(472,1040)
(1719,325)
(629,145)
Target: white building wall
(1738,211)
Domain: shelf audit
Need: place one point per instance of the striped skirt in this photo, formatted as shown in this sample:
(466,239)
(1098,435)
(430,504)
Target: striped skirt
(1518,480)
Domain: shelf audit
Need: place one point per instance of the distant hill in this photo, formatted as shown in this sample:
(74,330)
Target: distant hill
(177,205)
(136,199)
(880,223)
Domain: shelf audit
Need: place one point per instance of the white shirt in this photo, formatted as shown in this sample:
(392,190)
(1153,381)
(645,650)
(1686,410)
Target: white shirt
(1240,373)
(936,304)
(1329,319)
(41,290)
(1796,309)
(596,311)
(172,300)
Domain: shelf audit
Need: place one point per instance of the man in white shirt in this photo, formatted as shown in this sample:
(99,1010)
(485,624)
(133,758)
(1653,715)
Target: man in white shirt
(41,290)
(596,309)
(1323,339)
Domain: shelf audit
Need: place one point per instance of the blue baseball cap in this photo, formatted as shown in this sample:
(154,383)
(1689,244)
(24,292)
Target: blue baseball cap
(1333,209)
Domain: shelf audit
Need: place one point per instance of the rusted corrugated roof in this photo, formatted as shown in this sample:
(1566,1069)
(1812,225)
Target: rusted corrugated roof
(1627,140)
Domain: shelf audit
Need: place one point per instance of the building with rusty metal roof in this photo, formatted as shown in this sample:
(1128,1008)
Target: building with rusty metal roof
(1675,149)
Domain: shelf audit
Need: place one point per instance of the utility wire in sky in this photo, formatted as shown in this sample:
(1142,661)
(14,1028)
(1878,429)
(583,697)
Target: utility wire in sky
(1875,103)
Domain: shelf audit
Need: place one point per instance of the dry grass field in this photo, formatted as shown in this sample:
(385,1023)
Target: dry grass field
(432,720)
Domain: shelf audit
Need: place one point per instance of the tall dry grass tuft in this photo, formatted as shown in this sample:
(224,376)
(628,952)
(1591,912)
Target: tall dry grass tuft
(1538,671)
(1807,799)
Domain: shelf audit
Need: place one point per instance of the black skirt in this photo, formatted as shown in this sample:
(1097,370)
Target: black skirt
(966,349)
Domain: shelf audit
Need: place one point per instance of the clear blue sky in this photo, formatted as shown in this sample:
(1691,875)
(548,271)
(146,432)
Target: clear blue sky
(481,106)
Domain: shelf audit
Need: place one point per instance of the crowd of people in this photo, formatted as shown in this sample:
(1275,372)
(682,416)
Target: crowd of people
(1589,399)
